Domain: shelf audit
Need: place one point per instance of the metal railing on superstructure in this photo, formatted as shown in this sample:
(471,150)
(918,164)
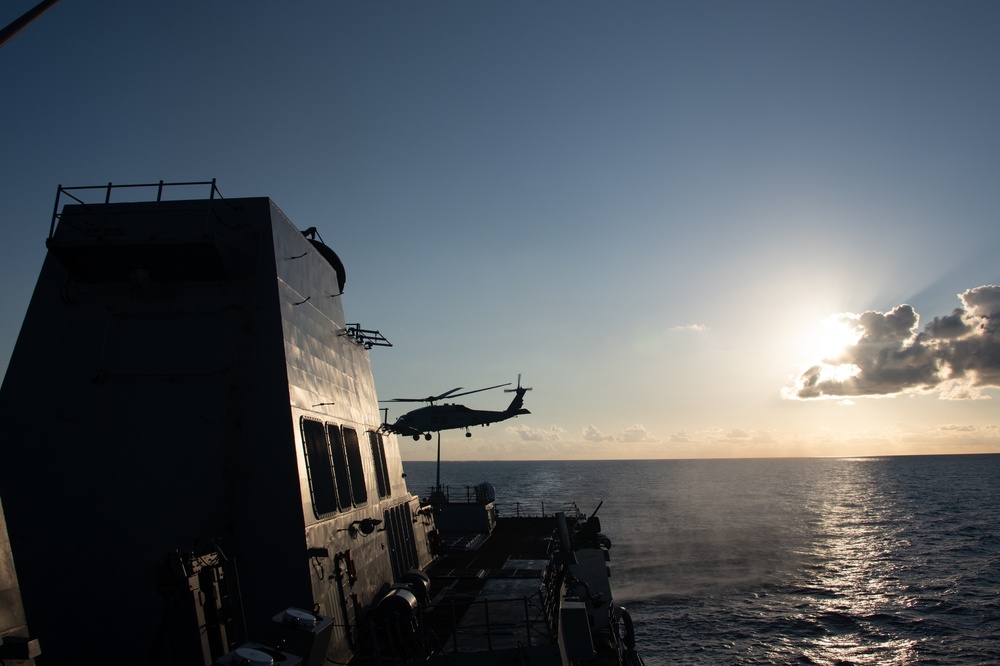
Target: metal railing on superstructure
(110,187)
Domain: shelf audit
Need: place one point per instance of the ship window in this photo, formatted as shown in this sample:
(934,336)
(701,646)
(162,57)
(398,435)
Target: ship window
(355,467)
(340,466)
(381,468)
(318,467)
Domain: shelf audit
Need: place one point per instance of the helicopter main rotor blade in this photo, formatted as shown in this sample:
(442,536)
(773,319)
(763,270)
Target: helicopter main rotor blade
(431,398)
(446,394)
(455,395)
(449,394)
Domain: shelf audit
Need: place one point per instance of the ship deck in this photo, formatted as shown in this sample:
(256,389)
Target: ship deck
(487,592)
(488,597)
(487,601)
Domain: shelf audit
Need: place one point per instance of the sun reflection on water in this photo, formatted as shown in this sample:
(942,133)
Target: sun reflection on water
(857,549)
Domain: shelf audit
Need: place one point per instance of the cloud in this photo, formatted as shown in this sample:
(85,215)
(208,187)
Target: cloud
(955,355)
(952,429)
(960,390)
(592,434)
(637,433)
(697,328)
(529,434)
(634,433)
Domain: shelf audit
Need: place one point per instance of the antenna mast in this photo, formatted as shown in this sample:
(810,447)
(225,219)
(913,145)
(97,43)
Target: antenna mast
(20,24)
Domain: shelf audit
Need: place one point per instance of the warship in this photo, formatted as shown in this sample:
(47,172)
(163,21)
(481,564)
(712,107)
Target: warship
(194,468)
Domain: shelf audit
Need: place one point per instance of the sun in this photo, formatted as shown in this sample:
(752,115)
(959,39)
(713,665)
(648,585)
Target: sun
(834,335)
(823,351)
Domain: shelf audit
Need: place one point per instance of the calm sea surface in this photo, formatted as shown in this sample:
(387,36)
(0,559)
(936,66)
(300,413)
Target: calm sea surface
(793,561)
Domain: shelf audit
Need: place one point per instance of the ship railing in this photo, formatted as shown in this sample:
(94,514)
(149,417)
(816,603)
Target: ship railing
(534,510)
(457,494)
(517,508)
(496,624)
(107,190)
(464,626)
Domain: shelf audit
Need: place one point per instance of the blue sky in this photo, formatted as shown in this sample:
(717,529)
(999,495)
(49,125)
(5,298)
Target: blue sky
(647,208)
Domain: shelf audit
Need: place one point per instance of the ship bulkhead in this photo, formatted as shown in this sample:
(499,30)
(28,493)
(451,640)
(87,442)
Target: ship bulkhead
(192,438)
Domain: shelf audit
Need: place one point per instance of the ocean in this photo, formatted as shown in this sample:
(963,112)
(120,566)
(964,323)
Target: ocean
(783,561)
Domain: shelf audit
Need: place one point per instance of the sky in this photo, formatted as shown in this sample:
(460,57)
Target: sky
(696,229)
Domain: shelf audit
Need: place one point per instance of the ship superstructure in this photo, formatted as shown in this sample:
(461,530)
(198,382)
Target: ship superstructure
(192,444)
(185,382)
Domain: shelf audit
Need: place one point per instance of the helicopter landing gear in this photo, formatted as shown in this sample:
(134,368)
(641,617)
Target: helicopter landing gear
(416,438)
(427,436)
(468,434)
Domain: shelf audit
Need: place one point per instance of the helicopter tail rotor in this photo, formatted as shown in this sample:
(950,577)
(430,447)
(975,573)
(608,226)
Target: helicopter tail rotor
(517,404)
(513,390)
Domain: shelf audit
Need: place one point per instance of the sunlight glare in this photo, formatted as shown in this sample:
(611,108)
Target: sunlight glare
(836,333)
(839,373)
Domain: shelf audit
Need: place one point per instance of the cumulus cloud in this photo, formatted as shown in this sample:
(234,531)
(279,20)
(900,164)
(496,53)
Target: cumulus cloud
(592,434)
(955,355)
(952,429)
(637,433)
(529,434)
(634,433)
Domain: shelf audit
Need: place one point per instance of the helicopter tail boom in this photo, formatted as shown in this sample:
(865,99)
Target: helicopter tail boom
(517,404)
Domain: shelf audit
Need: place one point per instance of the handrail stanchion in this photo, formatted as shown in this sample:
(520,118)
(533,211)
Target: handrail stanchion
(527,619)
(55,212)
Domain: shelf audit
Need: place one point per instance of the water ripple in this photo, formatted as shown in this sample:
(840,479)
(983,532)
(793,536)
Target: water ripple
(826,561)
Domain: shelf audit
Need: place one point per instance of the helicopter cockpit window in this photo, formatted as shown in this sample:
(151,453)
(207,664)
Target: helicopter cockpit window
(381,468)
(321,485)
(355,466)
(340,466)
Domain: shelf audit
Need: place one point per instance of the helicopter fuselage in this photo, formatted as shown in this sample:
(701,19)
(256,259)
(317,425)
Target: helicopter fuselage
(434,418)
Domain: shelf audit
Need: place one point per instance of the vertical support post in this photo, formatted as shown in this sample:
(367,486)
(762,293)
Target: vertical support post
(55,211)
(212,195)
(159,192)
(527,619)
(439,464)
(107,196)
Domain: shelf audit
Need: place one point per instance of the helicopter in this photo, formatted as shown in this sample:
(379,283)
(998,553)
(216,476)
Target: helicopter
(435,418)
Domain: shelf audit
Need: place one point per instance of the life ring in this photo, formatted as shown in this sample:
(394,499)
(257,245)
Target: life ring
(622,615)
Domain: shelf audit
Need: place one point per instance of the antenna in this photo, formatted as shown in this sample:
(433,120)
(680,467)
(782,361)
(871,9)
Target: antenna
(25,20)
